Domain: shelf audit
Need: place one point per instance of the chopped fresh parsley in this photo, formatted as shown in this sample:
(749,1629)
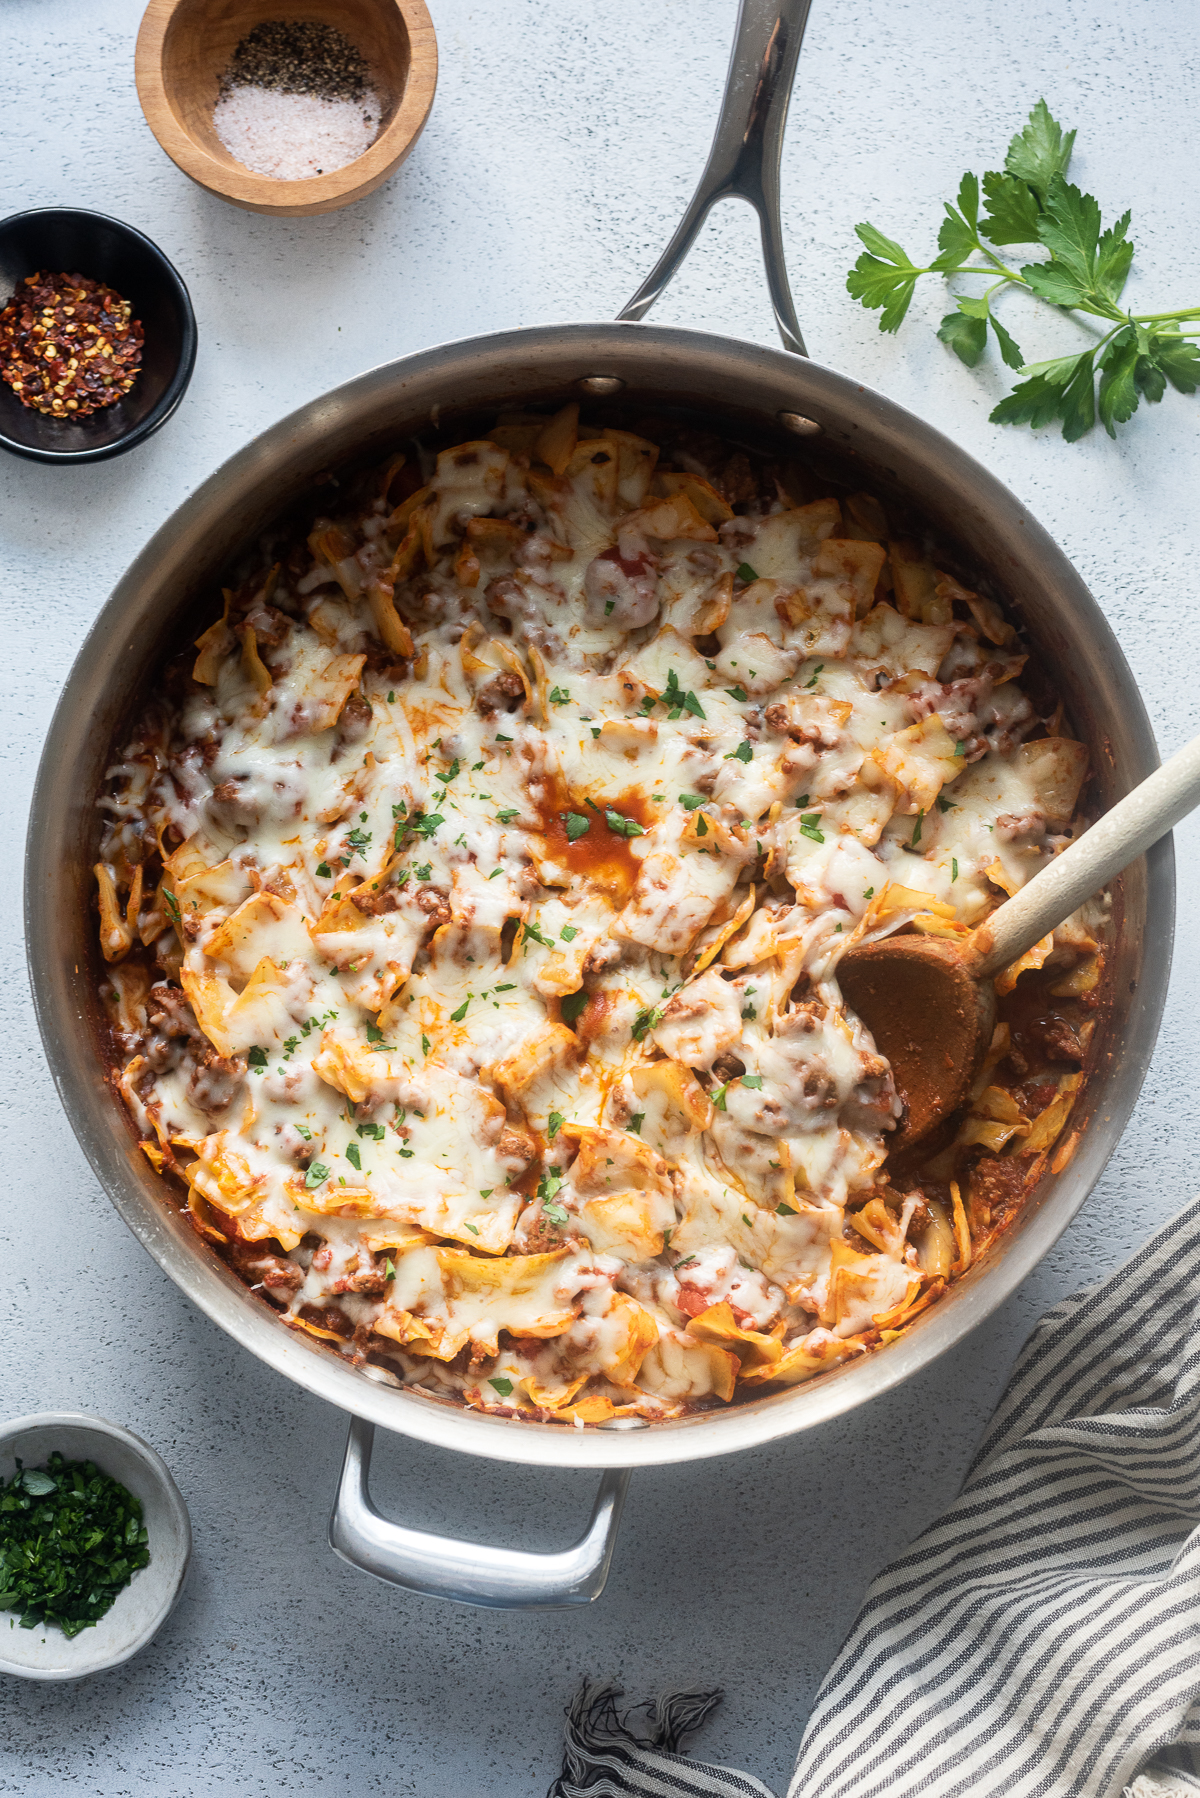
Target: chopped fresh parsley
(375,1038)
(557,1214)
(576,825)
(817,671)
(71,1539)
(946,805)
(953,868)
(786,1210)
(549,1183)
(749,1014)
(507,816)
(353,1157)
(559,696)
(317,1174)
(426,1045)
(456,1017)
(916,835)
(691,801)
(717,1095)
(743,753)
(701,825)
(501,739)
(868,892)
(573,1005)
(753,1080)
(325,871)
(510,987)
(746,573)
(809,823)
(569,932)
(359,840)
(375,1131)
(608,607)
(554,1124)
(738,693)
(635,1123)
(256,1057)
(503,1387)
(622,826)
(389,1268)
(530,932)
(425,826)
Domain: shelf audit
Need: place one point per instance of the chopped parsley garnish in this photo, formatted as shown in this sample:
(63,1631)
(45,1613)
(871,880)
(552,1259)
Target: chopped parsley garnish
(953,868)
(325,871)
(71,1539)
(389,1268)
(818,670)
(868,892)
(754,1081)
(450,774)
(576,825)
(425,826)
(559,696)
(257,1057)
(678,701)
(691,801)
(647,1019)
(456,1017)
(595,730)
(426,1045)
(556,1213)
(509,988)
(353,1157)
(501,739)
(172,906)
(743,753)
(549,1183)
(531,931)
(317,1174)
(573,1005)
(472,1229)
(946,805)
(916,835)
(608,607)
(506,817)
(738,693)
(717,1095)
(376,1131)
(701,825)
(359,840)
(635,1123)
(746,573)
(503,1387)
(554,1124)
(375,1038)
(424,870)
(786,1210)
(960,749)
(749,1015)
(809,823)
(569,932)
(622,826)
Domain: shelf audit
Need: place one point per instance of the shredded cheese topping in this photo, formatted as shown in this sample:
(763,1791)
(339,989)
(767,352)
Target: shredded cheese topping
(510,838)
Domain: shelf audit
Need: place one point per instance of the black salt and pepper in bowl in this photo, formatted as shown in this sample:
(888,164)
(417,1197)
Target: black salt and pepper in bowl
(91,1526)
(69,319)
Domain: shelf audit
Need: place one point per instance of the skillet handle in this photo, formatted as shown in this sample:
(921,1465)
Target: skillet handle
(502,1579)
(744,160)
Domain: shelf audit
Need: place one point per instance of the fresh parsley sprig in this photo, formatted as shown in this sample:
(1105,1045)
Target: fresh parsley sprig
(1031,202)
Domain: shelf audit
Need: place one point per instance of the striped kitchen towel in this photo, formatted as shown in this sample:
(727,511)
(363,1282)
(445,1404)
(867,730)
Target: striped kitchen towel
(1043,1637)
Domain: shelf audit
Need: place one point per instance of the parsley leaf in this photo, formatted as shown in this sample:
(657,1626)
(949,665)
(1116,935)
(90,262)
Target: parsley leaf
(743,753)
(553,1125)
(576,825)
(739,693)
(352,1156)
(1031,201)
(71,1539)
(559,696)
(622,826)
(746,573)
(572,1005)
(456,1017)
(503,1387)
(317,1174)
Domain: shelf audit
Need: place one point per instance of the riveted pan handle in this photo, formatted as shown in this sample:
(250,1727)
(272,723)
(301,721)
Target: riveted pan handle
(744,160)
(503,1579)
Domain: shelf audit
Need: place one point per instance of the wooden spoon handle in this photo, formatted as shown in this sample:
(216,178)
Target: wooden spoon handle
(1114,841)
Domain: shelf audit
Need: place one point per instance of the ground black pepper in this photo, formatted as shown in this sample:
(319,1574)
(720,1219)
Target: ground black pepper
(298,57)
(68,345)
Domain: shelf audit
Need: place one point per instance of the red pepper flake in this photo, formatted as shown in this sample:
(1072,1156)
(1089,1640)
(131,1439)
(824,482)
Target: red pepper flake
(68,345)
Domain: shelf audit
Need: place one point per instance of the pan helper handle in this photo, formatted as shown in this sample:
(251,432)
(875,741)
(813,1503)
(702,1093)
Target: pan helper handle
(744,160)
(500,1579)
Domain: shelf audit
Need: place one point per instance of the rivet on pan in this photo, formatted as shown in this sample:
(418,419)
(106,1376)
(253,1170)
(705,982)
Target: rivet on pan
(602,383)
(796,421)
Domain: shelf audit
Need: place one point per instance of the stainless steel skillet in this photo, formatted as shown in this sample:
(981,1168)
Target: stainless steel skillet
(768,397)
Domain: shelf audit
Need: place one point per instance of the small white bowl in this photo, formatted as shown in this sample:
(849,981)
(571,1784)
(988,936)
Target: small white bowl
(149,1598)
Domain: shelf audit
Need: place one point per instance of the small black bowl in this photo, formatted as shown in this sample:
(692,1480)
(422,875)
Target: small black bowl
(64,241)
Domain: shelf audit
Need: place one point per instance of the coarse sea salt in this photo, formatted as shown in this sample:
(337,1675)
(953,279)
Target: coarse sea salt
(292,137)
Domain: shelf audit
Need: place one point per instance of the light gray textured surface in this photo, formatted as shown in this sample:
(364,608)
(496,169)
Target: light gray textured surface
(563,144)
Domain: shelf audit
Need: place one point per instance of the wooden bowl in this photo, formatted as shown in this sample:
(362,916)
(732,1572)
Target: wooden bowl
(185,46)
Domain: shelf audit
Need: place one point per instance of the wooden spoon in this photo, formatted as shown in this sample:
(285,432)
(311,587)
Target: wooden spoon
(930,1003)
